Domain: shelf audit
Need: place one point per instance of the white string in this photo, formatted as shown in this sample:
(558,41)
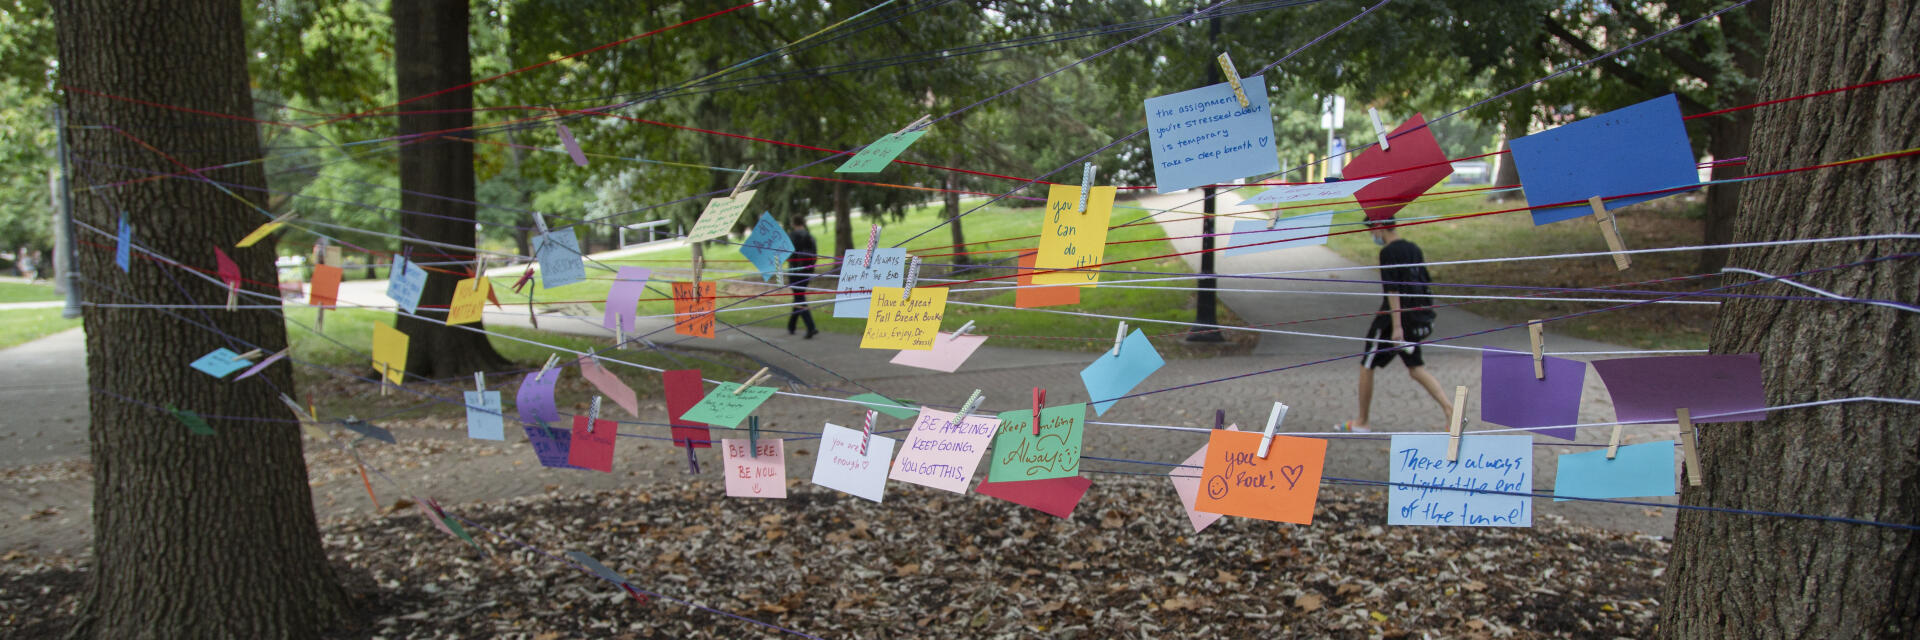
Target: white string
(1823,292)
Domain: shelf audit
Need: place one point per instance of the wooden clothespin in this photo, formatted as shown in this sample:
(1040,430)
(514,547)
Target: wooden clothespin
(912,276)
(873,241)
(480,381)
(551,360)
(1453,423)
(386,372)
(1379,130)
(693,462)
(745,178)
(699,263)
(866,431)
(973,402)
(1086,185)
(1538,337)
(233,295)
(1611,232)
(250,355)
(1613,445)
(750,380)
(1687,450)
(1119,337)
(1039,400)
(479,270)
(1233,77)
(917,124)
(540,222)
(1274,419)
(1273,218)
(963,329)
(753,436)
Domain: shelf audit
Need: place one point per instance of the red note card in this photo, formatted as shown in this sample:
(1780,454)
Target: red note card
(1054,496)
(228,271)
(1400,181)
(593,444)
(683,390)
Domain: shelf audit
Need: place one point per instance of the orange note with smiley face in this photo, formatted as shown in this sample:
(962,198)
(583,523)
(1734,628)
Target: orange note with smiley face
(1282,487)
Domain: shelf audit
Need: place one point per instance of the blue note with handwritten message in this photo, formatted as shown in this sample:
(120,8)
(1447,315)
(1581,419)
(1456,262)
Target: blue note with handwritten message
(1202,136)
(1112,376)
(405,281)
(1430,490)
(1634,149)
(559,254)
(889,267)
(485,421)
(220,363)
(551,445)
(1636,471)
(768,246)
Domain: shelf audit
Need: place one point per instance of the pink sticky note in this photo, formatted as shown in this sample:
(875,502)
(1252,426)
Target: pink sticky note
(1186,482)
(947,354)
(229,271)
(262,365)
(593,444)
(1054,496)
(610,385)
(573,147)
(750,477)
(534,400)
(941,456)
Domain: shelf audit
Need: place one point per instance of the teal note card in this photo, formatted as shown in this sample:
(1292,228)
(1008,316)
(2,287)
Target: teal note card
(405,281)
(875,157)
(724,408)
(886,405)
(1636,471)
(220,363)
(559,254)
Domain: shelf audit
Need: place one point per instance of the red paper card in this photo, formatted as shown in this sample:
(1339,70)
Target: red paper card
(1400,181)
(1055,496)
(683,390)
(593,447)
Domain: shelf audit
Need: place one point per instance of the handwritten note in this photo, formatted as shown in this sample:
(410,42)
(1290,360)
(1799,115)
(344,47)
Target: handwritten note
(1282,487)
(1203,136)
(718,218)
(723,408)
(693,309)
(623,300)
(485,420)
(550,445)
(942,453)
(390,353)
(751,477)
(560,259)
(1111,376)
(768,246)
(405,281)
(325,289)
(1311,191)
(1073,239)
(1018,454)
(1056,497)
(684,389)
(888,268)
(123,244)
(895,321)
(1429,490)
(1254,236)
(885,405)
(534,400)
(610,385)
(947,354)
(1028,296)
(220,363)
(469,297)
(1186,482)
(843,468)
(592,446)
(1637,471)
(875,157)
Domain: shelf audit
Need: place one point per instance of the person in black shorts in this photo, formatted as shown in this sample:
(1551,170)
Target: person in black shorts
(799,270)
(1406,315)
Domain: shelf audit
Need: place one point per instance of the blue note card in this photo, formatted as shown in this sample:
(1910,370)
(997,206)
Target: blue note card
(1202,136)
(1252,236)
(1636,471)
(1632,150)
(559,254)
(484,419)
(1449,493)
(768,246)
(405,281)
(220,363)
(888,269)
(1111,376)
(123,244)
(550,445)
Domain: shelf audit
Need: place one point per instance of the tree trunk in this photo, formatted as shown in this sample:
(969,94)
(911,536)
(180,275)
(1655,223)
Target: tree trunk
(430,54)
(1505,172)
(193,536)
(1745,576)
(842,224)
(952,197)
(1730,135)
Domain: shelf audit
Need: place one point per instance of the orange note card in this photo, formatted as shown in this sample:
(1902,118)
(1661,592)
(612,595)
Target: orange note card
(325,288)
(1283,487)
(1029,296)
(693,309)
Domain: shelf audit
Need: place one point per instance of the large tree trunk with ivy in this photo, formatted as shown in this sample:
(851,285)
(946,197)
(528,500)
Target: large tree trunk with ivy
(1749,576)
(430,55)
(193,536)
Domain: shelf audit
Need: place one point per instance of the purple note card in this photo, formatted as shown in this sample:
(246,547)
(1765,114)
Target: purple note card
(624,298)
(535,398)
(551,445)
(1510,395)
(1650,389)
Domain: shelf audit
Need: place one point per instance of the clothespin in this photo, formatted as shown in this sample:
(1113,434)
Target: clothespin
(753,436)
(745,177)
(593,414)
(1613,445)
(917,124)
(1538,338)
(619,334)
(1610,230)
(912,276)
(973,402)
(547,367)
(699,262)
(1086,184)
(250,355)
(386,371)
(540,222)
(1687,450)
(873,240)
(963,329)
(1453,423)
(480,381)
(1219,419)
(866,431)
(1119,336)
(233,295)
(1039,400)
(693,462)
(750,380)
(1273,218)
(1379,129)
(479,270)
(1233,77)
(1274,418)
(526,277)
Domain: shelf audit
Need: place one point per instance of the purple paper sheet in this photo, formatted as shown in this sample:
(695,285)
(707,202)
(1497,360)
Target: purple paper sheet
(1650,389)
(624,298)
(1510,396)
(534,400)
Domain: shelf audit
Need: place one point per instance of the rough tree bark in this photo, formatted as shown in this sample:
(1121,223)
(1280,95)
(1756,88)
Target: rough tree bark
(1741,576)
(194,536)
(842,224)
(430,54)
(952,201)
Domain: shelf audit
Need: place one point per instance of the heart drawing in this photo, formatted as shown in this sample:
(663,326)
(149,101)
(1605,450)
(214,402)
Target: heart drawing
(1292,474)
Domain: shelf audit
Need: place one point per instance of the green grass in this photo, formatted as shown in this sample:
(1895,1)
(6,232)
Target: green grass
(22,292)
(18,326)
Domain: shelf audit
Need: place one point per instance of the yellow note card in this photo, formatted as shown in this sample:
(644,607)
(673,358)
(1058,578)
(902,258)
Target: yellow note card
(467,300)
(262,232)
(390,353)
(897,322)
(1070,238)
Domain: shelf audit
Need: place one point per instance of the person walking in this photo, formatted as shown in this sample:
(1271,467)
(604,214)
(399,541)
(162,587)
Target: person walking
(799,271)
(1406,315)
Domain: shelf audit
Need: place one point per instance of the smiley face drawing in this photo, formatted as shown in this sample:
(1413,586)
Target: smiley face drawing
(1217,487)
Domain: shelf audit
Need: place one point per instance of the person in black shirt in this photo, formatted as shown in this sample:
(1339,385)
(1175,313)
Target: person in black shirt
(799,271)
(1406,315)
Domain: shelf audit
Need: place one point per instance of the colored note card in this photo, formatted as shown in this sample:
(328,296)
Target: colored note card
(469,297)
(888,268)
(1112,376)
(195,424)
(592,443)
(260,233)
(693,309)
(485,419)
(768,246)
(123,244)
(324,291)
(573,146)
(1202,136)
(1186,482)
(1055,497)
(610,385)
(368,430)
(390,353)
(724,408)
(1636,471)
(560,259)
(594,566)
(220,363)
(534,400)
(1028,296)
(1651,389)
(1018,454)
(843,467)
(550,445)
(405,281)
(1282,487)
(226,268)
(1285,193)
(1073,239)
(875,157)
(751,477)
(947,354)
(1510,395)
(1256,236)
(262,365)
(896,321)
(718,218)
(942,453)
(1410,168)
(623,300)
(684,389)
(1631,150)
(1429,490)
(885,405)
